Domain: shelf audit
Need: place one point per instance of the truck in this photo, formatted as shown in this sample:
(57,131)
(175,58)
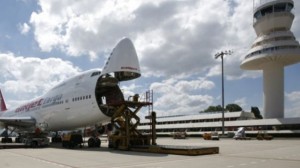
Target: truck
(240,134)
(263,135)
(180,135)
(211,136)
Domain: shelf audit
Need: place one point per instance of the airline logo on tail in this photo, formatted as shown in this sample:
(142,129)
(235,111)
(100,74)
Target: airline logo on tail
(2,103)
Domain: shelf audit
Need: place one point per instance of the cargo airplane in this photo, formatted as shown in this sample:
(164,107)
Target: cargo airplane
(82,100)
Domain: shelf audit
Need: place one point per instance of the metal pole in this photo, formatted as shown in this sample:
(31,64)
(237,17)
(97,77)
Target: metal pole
(222,95)
(222,56)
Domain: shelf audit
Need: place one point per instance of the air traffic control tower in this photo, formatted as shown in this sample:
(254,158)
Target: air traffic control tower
(274,48)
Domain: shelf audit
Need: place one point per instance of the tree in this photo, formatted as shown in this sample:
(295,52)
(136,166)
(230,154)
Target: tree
(256,112)
(229,107)
(233,107)
(213,108)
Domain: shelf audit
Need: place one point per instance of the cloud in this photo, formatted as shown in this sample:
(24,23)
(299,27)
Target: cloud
(171,37)
(293,96)
(24,28)
(130,89)
(242,102)
(181,96)
(292,104)
(27,77)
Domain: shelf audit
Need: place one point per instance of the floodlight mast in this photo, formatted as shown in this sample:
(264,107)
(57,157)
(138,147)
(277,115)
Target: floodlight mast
(221,54)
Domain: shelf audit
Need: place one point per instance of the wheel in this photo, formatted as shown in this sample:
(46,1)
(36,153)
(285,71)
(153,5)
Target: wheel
(116,145)
(34,144)
(91,142)
(97,142)
(6,140)
(18,140)
(9,140)
(56,139)
(64,144)
(71,145)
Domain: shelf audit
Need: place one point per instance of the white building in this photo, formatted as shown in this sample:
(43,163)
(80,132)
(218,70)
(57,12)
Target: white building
(201,123)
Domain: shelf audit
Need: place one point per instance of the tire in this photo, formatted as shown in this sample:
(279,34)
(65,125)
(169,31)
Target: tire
(91,142)
(116,145)
(18,140)
(6,140)
(34,144)
(71,145)
(64,144)
(97,142)
(56,139)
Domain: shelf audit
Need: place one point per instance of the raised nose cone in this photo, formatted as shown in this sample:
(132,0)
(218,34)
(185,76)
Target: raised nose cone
(123,61)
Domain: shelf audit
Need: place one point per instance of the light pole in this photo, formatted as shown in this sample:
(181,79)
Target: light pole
(221,54)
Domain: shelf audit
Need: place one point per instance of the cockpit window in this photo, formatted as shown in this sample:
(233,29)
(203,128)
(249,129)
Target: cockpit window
(96,73)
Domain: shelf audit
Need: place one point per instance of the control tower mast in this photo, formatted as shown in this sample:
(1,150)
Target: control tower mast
(274,48)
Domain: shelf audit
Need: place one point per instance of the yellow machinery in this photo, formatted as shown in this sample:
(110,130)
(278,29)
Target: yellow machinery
(263,135)
(126,119)
(128,137)
(71,140)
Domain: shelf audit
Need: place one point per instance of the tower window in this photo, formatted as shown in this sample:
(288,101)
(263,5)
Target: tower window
(280,7)
(267,10)
(257,15)
(289,7)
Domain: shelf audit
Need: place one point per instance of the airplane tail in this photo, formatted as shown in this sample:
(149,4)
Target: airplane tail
(123,62)
(2,103)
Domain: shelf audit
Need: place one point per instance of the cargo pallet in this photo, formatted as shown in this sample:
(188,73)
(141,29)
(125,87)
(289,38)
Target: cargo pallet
(177,150)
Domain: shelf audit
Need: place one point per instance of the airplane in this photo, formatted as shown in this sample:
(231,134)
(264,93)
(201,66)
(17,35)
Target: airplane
(79,101)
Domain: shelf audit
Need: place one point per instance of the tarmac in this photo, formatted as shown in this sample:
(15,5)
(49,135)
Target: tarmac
(276,153)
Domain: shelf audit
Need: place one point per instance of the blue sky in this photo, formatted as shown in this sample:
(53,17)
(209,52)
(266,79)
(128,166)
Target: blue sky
(44,42)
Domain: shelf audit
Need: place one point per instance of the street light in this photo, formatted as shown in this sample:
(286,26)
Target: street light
(221,54)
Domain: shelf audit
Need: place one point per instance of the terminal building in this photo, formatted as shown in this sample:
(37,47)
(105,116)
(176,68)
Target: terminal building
(198,124)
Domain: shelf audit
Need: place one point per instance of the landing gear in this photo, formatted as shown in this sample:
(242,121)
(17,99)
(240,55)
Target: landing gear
(6,140)
(56,138)
(94,142)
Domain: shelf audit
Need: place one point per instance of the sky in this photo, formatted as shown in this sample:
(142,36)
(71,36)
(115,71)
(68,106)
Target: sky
(45,42)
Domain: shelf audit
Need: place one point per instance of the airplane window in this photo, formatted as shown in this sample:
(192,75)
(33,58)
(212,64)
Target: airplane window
(80,98)
(90,96)
(95,73)
(87,97)
(83,97)
(72,99)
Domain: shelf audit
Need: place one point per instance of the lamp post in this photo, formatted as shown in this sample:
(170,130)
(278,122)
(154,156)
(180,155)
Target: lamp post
(221,54)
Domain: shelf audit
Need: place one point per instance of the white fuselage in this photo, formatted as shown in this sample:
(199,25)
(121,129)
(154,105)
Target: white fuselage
(71,104)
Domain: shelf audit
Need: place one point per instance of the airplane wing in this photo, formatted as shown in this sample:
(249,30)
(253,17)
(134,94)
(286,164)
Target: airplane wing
(18,121)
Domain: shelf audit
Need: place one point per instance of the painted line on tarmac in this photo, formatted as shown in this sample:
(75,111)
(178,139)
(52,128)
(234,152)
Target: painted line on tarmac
(42,160)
